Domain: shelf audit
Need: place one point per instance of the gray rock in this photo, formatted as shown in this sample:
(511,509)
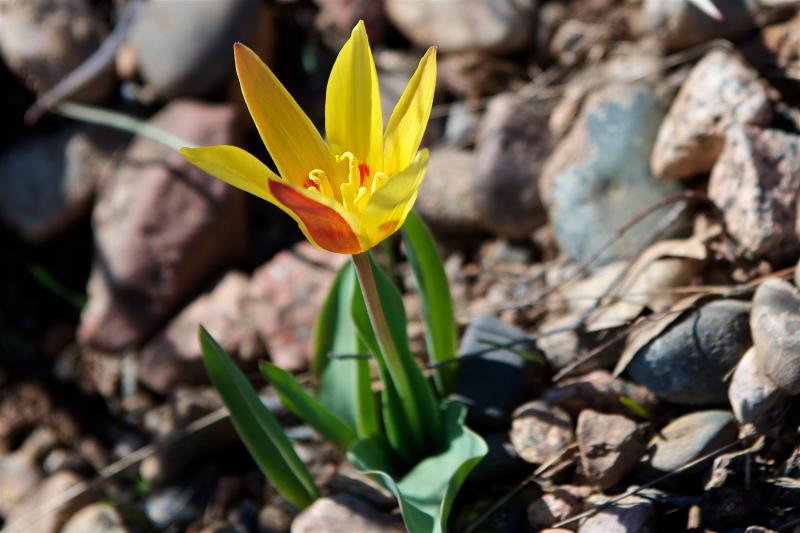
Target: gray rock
(609,447)
(756,183)
(688,437)
(42,41)
(775,324)
(603,162)
(447,199)
(752,394)
(688,363)
(180,504)
(680,24)
(47,182)
(173,61)
(95,518)
(484,25)
(461,126)
(797,275)
(559,504)
(491,384)
(539,432)
(162,228)
(512,146)
(344,514)
(174,356)
(600,391)
(634,514)
(721,90)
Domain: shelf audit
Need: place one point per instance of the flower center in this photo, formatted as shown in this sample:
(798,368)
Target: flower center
(353,191)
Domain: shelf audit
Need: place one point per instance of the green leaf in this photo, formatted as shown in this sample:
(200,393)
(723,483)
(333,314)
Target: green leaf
(308,408)
(441,335)
(419,422)
(345,385)
(426,493)
(257,427)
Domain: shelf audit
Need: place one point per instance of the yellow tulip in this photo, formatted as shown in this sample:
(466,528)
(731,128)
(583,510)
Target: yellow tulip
(356,189)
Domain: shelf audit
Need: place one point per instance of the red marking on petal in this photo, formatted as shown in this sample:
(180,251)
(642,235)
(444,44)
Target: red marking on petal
(363,170)
(327,228)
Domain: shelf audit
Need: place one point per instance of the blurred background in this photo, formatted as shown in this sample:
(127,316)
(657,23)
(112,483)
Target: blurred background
(554,123)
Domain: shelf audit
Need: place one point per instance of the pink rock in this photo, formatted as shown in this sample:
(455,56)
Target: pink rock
(162,228)
(756,183)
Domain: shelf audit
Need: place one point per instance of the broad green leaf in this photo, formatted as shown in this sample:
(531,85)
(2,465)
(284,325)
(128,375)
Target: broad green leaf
(345,385)
(420,414)
(426,493)
(257,427)
(308,408)
(441,335)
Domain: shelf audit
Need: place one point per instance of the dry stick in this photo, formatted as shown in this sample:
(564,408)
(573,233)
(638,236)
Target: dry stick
(89,70)
(27,520)
(632,492)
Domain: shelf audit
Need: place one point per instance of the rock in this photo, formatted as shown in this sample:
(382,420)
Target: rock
(162,227)
(172,61)
(447,198)
(275,518)
(680,24)
(181,504)
(343,514)
(561,503)
(491,384)
(19,476)
(634,514)
(63,459)
(42,41)
(95,518)
(598,167)
(756,183)
(47,182)
(363,487)
(752,394)
(600,391)
(31,515)
(721,90)
(540,432)
(23,407)
(688,437)
(501,463)
(461,125)
(609,446)
(689,362)
(513,143)
(284,299)
(775,323)
(174,356)
(797,275)
(486,25)
(343,15)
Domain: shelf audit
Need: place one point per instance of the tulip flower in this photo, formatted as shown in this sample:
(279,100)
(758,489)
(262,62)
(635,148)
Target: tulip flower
(356,189)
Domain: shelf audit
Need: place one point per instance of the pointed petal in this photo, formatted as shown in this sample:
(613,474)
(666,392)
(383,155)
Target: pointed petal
(234,166)
(410,116)
(353,119)
(323,224)
(292,140)
(389,206)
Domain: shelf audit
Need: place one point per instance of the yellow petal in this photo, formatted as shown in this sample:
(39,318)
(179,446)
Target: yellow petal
(292,140)
(323,222)
(353,119)
(410,116)
(388,207)
(234,166)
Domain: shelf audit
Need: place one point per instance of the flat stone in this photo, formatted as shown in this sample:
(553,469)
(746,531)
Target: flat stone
(688,363)
(599,391)
(775,323)
(752,394)
(539,432)
(756,184)
(721,90)
(492,384)
(344,514)
(513,144)
(561,503)
(174,356)
(595,170)
(95,518)
(688,437)
(634,514)
(162,228)
(486,25)
(609,446)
